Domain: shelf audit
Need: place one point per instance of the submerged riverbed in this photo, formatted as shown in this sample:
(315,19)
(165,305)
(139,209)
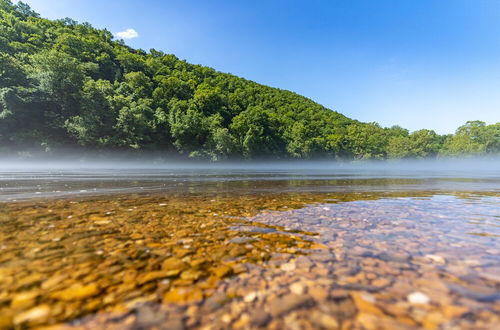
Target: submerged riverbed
(250,248)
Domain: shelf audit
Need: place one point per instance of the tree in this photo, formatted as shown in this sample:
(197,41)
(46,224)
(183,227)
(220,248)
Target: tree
(139,85)
(170,87)
(94,124)
(11,72)
(399,147)
(460,145)
(468,140)
(366,141)
(424,143)
(134,124)
(187,126)
(491,135)
(60,78)
(257,133)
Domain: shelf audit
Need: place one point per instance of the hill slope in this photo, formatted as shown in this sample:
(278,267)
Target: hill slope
(64,84)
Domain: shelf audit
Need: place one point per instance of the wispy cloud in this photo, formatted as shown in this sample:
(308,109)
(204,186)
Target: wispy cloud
(127,34)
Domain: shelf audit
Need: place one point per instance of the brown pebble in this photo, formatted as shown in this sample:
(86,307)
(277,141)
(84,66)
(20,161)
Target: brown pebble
(173,324)
(288,303)
(260,317)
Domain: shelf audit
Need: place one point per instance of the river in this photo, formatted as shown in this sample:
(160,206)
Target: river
(278,245)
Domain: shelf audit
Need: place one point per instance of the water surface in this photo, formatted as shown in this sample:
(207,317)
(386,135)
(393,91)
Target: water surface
(350,247)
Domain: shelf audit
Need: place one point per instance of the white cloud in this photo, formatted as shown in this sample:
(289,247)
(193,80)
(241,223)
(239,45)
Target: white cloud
(128,34)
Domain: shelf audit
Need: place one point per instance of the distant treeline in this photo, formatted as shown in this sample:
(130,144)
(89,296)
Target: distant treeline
(69,85)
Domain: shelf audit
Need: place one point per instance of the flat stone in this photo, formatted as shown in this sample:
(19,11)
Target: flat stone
(380,282)
(173,264)
(260,318)
(77,292)
(241,240)
(213,303)
(191,274)
(181,295)
(288,303)
(318,293)
(242,322)
(147,317)
(24,299)
(36,315)
(173,324)
(53,281)
(152,276)
(436,259)
(288,267)
(324,321)
(365,303)
(222,271)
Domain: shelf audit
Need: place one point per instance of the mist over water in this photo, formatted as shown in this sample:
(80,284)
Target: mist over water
(25,179)
(68,162)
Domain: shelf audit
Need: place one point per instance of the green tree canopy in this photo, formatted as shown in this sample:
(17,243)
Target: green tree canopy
(66,84)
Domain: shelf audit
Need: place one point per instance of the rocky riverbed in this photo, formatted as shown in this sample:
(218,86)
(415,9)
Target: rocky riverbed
(259,260)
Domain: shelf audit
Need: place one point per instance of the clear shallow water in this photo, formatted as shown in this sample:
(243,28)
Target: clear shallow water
(353,247)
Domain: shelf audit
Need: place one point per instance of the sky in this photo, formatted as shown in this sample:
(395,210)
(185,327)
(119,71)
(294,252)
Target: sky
(418,64)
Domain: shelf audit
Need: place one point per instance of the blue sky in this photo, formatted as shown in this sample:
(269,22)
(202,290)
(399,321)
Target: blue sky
(425,63)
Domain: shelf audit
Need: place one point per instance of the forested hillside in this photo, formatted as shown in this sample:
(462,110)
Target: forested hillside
(69,85)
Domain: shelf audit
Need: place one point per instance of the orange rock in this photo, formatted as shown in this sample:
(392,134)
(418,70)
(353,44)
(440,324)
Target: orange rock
(452,311)
(433,320)
(221,271)
(36,315)
(318,293)
(243,321)
(191,274)
(24,299)
(182,295)
(325,321)
(381,282)
(77,292)
(151,276)
(173,264)
(365,303)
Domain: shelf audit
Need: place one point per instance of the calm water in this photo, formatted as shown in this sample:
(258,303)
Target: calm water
(275,247)
(23,182)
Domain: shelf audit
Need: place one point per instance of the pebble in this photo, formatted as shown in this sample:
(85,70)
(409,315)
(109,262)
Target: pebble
(222,271)
(297,288)
(418,298)
(288,267)
(260,317)
(77,292)
(288,303)
(366,303)
(435,258)
(324,321)
(173,265)
(242,322)
(250,297)
(24,299)
(318,293)
(173,324)
(36,315)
